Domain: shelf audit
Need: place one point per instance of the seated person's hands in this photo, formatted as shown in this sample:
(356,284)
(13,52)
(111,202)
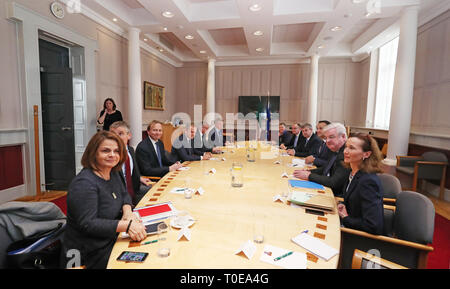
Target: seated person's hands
(175,166)
(282,146)
(216,150)
(291,152)
(309,159)
(342,211)
(302,174)
(146,182)
(206,156)
(137,231)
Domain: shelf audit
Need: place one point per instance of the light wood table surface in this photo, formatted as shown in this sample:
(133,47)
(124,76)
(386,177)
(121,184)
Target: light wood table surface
(227,216)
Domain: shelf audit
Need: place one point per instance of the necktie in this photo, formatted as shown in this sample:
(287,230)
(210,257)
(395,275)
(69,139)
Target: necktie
(306,142)
(296,139)
(128,177)
(158,154)
(330,164)
(322,147)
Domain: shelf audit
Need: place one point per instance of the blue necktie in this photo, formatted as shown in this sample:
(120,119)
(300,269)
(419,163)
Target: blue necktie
(296,139)
(330,164)
(158,154)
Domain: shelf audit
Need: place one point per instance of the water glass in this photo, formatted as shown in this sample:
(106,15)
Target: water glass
(237,175)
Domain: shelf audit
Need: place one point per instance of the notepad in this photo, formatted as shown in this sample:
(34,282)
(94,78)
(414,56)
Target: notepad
(305,184)
(315,246)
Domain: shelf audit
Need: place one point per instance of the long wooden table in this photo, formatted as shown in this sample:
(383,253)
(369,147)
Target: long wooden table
(228,216)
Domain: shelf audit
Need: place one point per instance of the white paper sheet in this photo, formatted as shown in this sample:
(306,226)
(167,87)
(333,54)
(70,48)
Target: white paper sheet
(315,246)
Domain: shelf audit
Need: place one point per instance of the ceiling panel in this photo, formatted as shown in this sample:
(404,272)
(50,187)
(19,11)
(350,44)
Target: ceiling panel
(292,32)
(229,36)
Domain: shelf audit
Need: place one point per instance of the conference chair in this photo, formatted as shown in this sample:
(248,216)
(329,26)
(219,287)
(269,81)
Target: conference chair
(413,228)
(430,166)
(391,187)
(364,260)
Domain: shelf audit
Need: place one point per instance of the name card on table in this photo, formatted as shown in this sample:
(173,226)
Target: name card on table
(184,232)
(278,198)
(248,249)
(200,191)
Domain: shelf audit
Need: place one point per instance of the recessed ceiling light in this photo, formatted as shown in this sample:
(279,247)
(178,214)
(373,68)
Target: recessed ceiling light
(161,50)
(255,8)
(336,28)
(145,39)
(202,51)
(368,14)
(259,49)
(115,19)
(258,33)
(189,37)
(321,46)
(168,14)
(165,28)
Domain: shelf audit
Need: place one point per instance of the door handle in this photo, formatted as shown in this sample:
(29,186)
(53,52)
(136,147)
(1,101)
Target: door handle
(66,128)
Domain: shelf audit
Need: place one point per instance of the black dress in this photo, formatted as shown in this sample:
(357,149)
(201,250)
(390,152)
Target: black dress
(111,118)
(94,208)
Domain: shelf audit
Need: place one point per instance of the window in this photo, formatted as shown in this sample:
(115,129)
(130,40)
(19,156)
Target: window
(385,84)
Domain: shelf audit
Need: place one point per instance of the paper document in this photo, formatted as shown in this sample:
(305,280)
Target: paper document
(296,260)
(315,246)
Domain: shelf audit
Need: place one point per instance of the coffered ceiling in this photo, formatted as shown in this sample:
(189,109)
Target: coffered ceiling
(257,31)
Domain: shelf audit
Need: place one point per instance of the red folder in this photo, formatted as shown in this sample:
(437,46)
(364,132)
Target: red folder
(153,210)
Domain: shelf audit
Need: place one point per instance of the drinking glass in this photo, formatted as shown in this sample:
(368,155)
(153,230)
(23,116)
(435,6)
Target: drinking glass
(237,175)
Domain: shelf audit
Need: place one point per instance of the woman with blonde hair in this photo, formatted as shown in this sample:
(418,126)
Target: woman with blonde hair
(363,198)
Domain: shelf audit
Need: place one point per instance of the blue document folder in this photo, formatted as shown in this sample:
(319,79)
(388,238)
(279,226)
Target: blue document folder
(305,184)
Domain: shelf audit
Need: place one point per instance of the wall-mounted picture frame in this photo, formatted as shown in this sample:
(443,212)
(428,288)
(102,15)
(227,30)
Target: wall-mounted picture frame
(154,96)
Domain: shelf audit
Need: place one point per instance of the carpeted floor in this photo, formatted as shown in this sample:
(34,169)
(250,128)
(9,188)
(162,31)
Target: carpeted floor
(438,259)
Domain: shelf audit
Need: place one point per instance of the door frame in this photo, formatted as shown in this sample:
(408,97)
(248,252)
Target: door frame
(29,23)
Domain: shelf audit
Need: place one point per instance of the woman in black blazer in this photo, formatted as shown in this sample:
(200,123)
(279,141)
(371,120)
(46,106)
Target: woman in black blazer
(98,204)
(363,199)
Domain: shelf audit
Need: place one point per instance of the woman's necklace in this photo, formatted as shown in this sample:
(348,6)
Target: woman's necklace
(106,177)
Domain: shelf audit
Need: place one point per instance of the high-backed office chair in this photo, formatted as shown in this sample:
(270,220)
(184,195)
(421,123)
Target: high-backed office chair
(391,187)
(413,228)
(364,260)
(429,166)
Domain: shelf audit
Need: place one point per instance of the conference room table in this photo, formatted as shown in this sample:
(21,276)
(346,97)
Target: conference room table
(226,217)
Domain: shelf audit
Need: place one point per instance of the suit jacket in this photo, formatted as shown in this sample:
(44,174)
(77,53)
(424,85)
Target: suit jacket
(215,139)
(135,177)
(285,138)
(290,145)
(184,149)
(311,146)
(321,155)
(148,160)
(338,173)
(364,203)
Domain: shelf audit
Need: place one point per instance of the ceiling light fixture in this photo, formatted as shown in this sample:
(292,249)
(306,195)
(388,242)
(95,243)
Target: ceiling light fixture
(321,46)
(336,28)
(255,8)
(145,39)
(165,28)
(168,14)
(115,19)
(258,33)
(358,1)
(202,51)
(190,37)
(368,14)
(259,49)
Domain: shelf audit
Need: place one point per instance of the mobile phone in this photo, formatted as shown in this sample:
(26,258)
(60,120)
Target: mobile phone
(153,228)
(128,256)
(314,212)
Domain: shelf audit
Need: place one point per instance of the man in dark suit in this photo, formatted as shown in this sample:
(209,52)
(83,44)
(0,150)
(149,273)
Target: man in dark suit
(137,186)
(200,141)
(284,135)
(151,155)
(185,147)
(322,153)
(308,144)
(333,174)
(296,138)
(216,137)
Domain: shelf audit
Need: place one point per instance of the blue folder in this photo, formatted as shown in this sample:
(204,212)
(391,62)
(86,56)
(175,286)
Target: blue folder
(305,184)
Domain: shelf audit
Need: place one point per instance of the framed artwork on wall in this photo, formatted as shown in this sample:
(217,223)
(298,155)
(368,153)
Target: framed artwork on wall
(154,96)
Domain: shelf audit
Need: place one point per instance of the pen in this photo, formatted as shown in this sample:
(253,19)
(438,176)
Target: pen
(283,256)
(305,231)
(149,242)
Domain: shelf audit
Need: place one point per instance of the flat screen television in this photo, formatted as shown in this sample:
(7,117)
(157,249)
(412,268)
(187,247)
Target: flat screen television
(257,104)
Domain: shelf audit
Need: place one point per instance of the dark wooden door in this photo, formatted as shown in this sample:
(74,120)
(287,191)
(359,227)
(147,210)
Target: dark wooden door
(57,115)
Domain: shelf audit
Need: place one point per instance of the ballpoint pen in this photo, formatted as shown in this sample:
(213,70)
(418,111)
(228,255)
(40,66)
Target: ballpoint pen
(283,256)
(154,241)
